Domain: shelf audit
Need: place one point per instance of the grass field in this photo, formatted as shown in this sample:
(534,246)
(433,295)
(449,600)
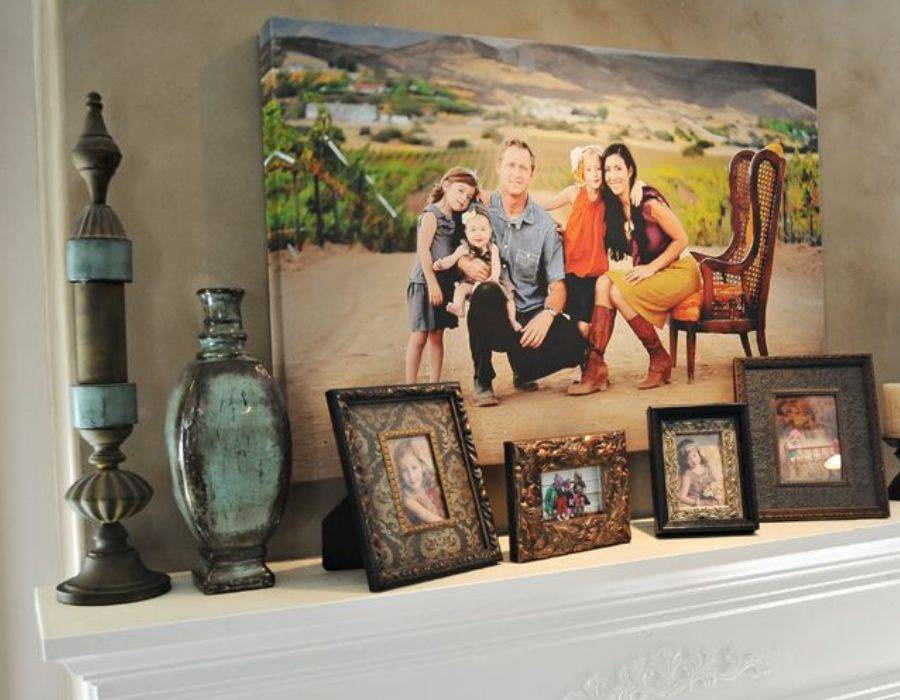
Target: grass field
(695,187)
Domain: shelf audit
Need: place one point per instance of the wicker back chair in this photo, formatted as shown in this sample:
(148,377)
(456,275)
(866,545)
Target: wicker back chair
(736,283)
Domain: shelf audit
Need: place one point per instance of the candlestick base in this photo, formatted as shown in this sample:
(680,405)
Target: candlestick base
(894,487)
(112,573)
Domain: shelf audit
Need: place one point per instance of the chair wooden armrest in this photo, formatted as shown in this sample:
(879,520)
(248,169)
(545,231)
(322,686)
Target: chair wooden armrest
(699,257)
(708,267)
(726,268)
(709,288)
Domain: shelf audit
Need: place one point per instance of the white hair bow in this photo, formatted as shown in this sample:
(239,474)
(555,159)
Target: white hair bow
(577,153)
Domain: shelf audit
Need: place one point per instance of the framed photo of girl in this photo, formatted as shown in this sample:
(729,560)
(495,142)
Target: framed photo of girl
(543,224)
(814,424)
(416,491)
(701,470)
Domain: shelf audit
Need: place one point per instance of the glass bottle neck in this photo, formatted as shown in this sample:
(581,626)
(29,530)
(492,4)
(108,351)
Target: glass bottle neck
(223,333)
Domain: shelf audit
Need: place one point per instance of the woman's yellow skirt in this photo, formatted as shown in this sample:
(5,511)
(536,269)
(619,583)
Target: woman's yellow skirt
(654,297)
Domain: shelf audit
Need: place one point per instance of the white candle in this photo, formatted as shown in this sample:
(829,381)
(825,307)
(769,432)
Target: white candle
(892,410)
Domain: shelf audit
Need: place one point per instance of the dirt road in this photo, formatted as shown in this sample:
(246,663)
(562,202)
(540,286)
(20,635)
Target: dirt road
(340,320)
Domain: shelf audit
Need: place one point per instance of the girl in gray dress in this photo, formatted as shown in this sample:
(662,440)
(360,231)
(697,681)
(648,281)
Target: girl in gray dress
(427,292)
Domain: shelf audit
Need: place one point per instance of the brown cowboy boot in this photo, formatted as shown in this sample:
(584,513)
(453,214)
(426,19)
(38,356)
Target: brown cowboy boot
(660,363)
(595,375)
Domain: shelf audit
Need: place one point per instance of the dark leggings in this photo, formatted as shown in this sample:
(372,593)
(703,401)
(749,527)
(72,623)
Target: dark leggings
(490,331)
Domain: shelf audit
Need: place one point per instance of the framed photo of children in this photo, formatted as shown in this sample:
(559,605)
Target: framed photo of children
(566,494)
(527,219)
(420,506)
(702,470)
(814,426)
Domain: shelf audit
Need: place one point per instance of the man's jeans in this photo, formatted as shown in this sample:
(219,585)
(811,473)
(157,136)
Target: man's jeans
(489,331)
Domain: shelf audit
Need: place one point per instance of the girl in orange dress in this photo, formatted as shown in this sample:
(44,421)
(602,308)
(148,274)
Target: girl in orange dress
(584,246)
(584,238)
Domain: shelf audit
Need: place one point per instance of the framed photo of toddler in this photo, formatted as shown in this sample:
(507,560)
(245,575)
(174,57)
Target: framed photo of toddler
(815,435)
(566,494)
(420,507)
(701,469)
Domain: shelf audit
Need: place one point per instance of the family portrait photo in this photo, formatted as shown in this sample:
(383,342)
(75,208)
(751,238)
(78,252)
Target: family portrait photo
(809,446)
(566,231)
(568,493)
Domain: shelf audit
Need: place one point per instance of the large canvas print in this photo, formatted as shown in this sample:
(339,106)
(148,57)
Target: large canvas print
(543,223)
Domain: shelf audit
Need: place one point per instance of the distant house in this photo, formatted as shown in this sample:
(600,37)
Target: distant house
(365,88)
(345,113)
(398,119)
(299,61)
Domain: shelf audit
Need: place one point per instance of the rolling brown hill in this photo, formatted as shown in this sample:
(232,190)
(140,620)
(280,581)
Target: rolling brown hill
(589,73)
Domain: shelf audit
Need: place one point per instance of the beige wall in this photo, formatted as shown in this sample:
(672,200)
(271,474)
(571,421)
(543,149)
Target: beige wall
(180,83)
(30,545)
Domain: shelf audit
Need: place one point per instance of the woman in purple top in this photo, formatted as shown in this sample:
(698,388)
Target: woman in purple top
(659,279)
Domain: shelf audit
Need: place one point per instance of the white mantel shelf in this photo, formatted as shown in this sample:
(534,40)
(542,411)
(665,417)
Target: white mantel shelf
(805,611)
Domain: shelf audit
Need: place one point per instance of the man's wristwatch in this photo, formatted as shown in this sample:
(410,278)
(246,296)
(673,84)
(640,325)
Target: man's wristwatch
(553,312)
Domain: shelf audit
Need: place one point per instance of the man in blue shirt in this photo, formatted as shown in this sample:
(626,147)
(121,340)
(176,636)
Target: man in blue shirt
(531,250)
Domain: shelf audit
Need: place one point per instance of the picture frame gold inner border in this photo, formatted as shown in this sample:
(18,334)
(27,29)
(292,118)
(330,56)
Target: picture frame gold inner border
(726,428)
(391,468)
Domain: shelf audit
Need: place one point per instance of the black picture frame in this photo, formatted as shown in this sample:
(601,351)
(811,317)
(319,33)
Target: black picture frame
(365,420)
(734,510)
(859,491)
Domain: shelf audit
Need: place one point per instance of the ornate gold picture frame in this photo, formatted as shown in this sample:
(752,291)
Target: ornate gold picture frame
(567,494)
(701,470)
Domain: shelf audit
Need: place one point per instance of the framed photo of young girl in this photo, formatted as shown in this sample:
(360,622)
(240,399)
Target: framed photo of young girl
(420,506)
(542,223)
(816,441)
(566,494)
(702,470)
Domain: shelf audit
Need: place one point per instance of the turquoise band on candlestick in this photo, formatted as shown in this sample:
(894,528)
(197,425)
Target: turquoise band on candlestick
(103,405)
(98,260)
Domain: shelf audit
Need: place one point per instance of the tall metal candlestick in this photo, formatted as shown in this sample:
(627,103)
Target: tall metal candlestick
(104,403)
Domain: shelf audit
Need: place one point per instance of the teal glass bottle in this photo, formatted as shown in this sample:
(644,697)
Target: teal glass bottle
(229,445)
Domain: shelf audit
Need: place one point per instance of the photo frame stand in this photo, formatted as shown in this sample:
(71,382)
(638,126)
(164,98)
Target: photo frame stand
(340,543)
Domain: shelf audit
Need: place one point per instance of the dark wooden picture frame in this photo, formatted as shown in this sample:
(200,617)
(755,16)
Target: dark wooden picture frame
(861,492)
(531,535)
(396,552)
(733,507)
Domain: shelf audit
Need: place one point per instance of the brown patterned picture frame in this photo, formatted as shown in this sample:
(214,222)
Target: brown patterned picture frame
(726,503)
(395,551)
(861,492)
(531,535)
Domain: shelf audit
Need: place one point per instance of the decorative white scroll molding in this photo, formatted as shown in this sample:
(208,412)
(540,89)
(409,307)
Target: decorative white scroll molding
(667,673)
